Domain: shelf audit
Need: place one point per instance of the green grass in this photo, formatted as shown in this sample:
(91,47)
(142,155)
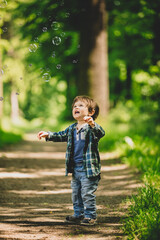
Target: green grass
(7,138)
(135,135)
(144,215)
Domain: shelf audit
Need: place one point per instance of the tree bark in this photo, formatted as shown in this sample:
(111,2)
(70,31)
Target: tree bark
(1,88)
(93,75)
(129,83)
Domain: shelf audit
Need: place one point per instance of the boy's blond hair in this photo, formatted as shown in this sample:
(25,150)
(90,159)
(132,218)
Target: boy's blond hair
(90,103)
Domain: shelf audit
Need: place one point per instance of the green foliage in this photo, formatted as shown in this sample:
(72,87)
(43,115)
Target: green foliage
(7,138)
(144,215)
(145,155)
(134,132)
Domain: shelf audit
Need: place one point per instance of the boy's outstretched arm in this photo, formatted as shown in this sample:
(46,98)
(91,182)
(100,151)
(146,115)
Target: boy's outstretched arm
(42,134)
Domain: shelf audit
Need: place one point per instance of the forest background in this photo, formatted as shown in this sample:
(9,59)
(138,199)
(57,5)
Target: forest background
(51,51)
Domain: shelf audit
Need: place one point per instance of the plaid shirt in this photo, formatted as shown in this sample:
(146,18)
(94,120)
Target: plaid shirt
(91,159)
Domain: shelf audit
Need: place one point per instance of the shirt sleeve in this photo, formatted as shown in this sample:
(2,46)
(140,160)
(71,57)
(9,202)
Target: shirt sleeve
(98,132)
(60,136)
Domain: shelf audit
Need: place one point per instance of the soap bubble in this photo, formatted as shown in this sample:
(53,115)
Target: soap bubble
(47,70)
(36,39)
(39,13)
(3,3)
(58,66)
(33,47)
(5,67)
(41,69)
(67,15)
(56,40)
(62,34)
(1,98)
(44,29)
(1,72)
(55,25)
(75,61)
(4,29)
(53,54)
(46,77)
(62,3)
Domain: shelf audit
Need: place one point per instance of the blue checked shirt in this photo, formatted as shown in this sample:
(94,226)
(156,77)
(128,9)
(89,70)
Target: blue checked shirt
(91,158)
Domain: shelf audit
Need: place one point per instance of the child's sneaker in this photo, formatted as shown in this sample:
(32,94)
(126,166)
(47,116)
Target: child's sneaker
(74,220)
(89,222)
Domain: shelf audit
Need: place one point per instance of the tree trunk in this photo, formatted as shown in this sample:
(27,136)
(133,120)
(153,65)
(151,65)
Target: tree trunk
(1,89)
(93,55)
(128,83)
(156,39)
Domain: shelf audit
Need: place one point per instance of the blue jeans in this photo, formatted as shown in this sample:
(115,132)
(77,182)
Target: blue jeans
(83,198)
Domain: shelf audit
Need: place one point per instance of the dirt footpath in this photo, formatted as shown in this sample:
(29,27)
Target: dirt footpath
(35,194)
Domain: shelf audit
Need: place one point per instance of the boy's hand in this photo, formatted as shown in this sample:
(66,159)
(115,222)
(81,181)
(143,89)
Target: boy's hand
(42,134)
(89,120)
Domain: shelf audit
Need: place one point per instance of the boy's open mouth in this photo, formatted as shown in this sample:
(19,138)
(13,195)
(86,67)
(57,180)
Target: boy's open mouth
(77,112)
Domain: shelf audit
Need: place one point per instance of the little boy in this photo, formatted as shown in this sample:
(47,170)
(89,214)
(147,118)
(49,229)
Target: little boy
(82,158)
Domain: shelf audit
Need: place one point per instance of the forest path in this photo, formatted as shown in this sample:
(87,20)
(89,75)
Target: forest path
(35,194)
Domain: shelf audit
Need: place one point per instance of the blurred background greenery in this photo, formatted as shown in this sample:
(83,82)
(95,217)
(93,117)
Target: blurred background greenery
(51,51)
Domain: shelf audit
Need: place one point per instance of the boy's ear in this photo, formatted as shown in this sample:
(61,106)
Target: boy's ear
(91,113)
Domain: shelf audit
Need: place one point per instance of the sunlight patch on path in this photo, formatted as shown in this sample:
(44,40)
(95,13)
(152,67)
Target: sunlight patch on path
(37,174)
(35,155)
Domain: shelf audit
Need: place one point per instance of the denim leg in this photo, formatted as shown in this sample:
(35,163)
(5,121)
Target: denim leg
(89,186)
(76,197)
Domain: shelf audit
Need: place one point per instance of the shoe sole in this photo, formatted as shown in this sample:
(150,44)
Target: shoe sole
(70,222)
(89,224)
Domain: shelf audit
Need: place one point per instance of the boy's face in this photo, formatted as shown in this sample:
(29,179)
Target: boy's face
(80,110)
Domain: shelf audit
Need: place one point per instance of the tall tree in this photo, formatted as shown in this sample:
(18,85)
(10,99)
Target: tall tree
(93,76)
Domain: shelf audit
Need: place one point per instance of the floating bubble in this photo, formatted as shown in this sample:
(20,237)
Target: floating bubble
(4,29)
(44,29)
(62,34)
(50,18)
(56,40)
(39,13)
(3,3)
(5,67)
(67,15)
(75,61)
(62,3)
(55,25)
(1,72)
(33,47)
(41,69)
(53,54)
(58,66)
(1,98)
(36,39)
(47,70)
(46,77)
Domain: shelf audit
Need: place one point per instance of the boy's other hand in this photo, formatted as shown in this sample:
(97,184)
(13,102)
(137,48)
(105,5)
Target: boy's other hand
(89,120)
(42,134)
